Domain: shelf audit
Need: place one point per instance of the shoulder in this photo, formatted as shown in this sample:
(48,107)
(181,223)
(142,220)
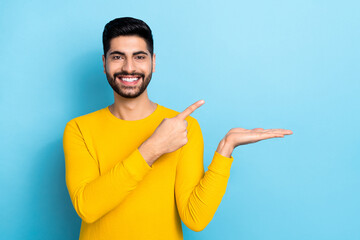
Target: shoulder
(88,119)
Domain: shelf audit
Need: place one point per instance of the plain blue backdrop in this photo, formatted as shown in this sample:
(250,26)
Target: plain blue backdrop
(271,64)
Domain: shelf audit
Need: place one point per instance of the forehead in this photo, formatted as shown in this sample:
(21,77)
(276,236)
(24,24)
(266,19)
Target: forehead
(128,44)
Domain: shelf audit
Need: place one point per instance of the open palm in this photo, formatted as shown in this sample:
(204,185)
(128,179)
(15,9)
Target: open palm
(242,136)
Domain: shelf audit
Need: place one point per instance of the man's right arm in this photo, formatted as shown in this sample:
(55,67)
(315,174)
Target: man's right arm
(93,195)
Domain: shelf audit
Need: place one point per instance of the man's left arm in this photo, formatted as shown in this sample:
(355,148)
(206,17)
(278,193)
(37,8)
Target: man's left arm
(199,194)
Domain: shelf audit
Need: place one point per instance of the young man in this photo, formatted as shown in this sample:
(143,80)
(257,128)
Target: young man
(134,169)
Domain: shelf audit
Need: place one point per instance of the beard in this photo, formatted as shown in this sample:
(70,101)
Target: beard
(128,91)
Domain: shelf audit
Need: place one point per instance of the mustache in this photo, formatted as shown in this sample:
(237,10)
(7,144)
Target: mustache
(129,74)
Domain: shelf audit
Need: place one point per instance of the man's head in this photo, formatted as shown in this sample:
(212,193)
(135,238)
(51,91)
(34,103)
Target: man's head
(127,26)
(128,57)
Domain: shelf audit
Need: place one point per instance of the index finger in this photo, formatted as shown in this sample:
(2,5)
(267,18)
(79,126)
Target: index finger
(190,109)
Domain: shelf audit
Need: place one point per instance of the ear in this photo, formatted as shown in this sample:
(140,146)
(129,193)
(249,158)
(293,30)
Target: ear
(154,62)
(104,63)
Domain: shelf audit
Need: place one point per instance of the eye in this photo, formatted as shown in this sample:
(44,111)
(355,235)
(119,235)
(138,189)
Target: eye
(116,57)
(140,57)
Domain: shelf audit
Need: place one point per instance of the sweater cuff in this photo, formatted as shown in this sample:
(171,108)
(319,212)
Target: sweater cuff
(136,165)
(221,164)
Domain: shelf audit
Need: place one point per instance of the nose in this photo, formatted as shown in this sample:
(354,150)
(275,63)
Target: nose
(128,66)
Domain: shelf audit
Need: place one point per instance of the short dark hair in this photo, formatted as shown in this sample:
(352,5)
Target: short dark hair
(127,26)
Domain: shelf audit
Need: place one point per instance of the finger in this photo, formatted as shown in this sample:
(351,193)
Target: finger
(280,131)
(190,110)
(270,135)
(186,123)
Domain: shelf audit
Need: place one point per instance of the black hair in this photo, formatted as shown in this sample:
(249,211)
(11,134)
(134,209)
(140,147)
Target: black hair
(127,26)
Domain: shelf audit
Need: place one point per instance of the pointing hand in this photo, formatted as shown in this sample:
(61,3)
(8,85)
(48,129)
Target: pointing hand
(170,135)
(189,110)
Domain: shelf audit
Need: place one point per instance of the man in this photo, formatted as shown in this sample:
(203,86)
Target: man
(134,169)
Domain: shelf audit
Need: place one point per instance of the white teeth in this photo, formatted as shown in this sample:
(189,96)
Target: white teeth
(129,79)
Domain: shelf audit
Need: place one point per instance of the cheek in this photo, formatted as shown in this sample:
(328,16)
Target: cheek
(110,68)
(148,68)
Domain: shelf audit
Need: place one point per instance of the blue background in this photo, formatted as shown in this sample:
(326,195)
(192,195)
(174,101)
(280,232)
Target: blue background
(271,64)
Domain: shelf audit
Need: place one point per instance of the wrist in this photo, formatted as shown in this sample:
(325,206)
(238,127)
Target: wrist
(149,151)
(225,148)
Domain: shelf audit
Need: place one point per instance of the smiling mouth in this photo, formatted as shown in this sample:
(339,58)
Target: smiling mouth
(129,80)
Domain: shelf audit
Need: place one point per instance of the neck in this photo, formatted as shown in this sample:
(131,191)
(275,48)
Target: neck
(132,109)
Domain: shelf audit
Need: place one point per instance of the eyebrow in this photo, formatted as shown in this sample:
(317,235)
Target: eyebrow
(135,53)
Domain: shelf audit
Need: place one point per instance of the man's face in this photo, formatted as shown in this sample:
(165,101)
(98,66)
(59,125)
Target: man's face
(128,66)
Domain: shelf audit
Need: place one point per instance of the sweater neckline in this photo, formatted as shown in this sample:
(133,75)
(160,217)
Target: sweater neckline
(150,117)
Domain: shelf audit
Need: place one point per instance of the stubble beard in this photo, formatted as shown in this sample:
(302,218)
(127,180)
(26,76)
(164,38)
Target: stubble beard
(128,91)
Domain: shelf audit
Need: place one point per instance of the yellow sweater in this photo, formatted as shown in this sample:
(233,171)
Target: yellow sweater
(119,196)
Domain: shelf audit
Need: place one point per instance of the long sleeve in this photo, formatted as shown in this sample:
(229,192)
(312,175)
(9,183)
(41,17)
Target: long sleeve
(93,195)
(198,195)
